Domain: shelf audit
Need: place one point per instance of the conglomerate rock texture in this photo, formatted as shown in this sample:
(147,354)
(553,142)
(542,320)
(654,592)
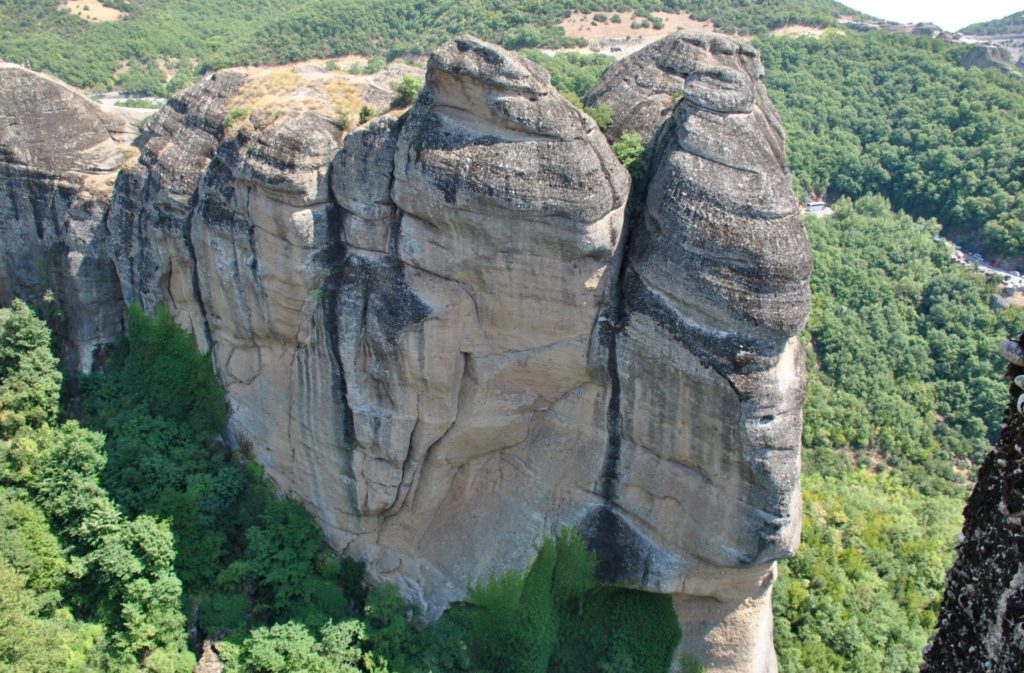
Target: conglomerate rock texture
(443,334)
(981,621)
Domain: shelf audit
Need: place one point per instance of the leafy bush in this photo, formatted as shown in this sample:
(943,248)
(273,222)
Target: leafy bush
(235,116)
(554,616)
(406,92)
(631,153)
(602,114)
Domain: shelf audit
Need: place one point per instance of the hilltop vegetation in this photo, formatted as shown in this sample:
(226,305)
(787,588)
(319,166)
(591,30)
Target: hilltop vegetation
(896,115)
(1014,23)
(160,45)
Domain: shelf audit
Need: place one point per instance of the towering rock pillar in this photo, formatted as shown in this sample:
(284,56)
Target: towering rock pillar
(713,296)
(59,157)
(439,332)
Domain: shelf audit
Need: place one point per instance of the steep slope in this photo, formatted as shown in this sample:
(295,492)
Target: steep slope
(438,332)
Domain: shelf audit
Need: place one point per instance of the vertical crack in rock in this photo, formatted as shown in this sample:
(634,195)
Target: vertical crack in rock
(197,291)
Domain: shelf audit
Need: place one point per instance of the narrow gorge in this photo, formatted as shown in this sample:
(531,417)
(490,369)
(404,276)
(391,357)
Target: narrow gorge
(455,331)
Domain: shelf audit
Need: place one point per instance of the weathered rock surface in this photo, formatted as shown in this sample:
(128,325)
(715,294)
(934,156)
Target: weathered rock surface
(991,56)
(59,157)
(439,333)
(981,621)
(715,71)
(714,291)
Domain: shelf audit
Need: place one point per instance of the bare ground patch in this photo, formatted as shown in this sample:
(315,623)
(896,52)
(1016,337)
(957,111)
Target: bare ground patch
(93,11)
(797,30)
(628,34)
(585,26)
(321,86)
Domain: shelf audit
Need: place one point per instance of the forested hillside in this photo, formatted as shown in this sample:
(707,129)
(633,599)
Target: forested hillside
(896,115)
(1014,23)
(904,396)
(159,45)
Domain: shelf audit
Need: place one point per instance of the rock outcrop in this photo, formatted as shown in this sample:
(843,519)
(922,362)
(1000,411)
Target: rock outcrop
(992,56)
(59,157)
(981,621)
(716,71)
(441,334)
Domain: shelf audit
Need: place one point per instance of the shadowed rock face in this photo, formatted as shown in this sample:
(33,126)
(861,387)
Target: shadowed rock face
(981,622)
(439,334)
(59,156)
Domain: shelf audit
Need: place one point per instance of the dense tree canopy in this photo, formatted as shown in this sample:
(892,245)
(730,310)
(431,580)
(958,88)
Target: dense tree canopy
(903,367)
(896,115)
(158,39)
(905,394)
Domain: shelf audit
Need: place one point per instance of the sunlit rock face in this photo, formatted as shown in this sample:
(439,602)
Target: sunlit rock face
(438,331)
(714,292)
(59,157)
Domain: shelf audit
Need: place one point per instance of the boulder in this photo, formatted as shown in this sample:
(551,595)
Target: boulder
(991,56)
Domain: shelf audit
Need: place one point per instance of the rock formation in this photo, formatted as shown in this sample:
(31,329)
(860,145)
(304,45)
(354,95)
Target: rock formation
(981,621)
(440,333)
(991,56)
(59,157)
(714,292)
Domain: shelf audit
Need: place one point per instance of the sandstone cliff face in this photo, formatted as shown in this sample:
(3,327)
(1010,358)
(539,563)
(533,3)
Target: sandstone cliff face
(981,622)
(439,332)
(714,292)
(59,157)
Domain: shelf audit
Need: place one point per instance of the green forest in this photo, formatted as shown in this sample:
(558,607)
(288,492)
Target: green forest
(904,395)
(896,115)
(160,45)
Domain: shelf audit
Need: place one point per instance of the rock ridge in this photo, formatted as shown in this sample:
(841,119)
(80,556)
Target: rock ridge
(440,332)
